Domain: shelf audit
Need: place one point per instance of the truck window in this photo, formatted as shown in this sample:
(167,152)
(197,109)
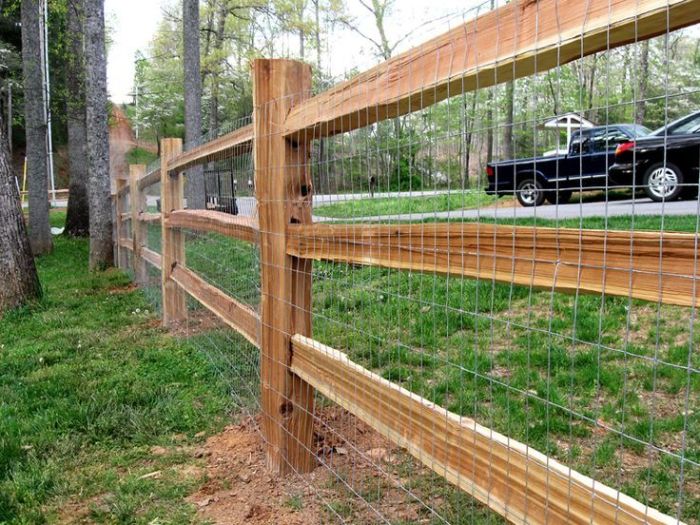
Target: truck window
(607,140)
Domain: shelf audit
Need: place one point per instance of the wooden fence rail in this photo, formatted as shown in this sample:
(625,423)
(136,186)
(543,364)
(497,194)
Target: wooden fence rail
(519,39)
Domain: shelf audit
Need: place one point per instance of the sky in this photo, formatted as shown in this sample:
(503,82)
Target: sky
(132,24)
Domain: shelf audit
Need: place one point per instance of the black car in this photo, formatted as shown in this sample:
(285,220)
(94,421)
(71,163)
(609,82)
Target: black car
(666,163)
(220,191)
(583,167)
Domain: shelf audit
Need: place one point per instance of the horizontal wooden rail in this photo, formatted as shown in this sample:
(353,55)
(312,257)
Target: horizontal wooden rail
(149,217)
(645,265)
(518,482)
(126,243)
(126,216)
(237,142)
(149,179)
(153,258)
(514,41)
(236,226)
(235,314)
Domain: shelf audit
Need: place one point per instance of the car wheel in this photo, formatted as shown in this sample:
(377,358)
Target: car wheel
(558,197)
(530,192)
(663,182)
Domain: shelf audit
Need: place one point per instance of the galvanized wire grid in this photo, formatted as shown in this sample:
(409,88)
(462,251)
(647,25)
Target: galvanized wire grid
(607,385)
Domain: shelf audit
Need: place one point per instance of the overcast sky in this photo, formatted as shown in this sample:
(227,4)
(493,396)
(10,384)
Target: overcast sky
(133,23)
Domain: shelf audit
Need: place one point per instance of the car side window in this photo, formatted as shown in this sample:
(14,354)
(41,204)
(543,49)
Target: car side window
(690,126)
(607,140)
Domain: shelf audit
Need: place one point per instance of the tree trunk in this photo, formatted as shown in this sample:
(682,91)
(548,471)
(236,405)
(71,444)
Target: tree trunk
(35,123)
(101,254)
(78,214)
(215,71)
(194,191)
(20,282)
(642,76)
(508,129)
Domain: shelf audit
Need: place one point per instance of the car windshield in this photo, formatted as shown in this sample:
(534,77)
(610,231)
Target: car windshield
(682,126)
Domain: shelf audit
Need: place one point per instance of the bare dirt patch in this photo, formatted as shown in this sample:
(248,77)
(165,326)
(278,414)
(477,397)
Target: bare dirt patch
(198,321)
(357,478)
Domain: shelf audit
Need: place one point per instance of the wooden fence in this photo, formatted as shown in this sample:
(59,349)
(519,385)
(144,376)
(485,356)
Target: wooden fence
(519,39)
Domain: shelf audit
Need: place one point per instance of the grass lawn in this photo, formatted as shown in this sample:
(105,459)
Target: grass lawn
(92,392)
(393,206)
(606,385)
(140,156)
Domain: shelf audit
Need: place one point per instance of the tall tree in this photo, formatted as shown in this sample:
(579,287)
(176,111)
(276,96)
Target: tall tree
(35,123)
(78,214)
(101,254)
(193,98)
(642,83)
(20,282)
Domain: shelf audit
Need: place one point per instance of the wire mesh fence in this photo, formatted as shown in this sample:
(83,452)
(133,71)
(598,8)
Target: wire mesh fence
(502,299)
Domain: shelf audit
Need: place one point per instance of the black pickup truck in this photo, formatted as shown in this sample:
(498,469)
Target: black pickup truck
(666,163)
(584,167)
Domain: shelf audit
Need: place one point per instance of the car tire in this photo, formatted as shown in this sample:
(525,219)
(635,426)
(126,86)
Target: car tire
(663,182)
(558,197)
(530,192)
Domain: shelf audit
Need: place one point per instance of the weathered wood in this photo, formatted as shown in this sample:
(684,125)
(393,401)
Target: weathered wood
(151,257)
(645,265)
(283,190)
(138,231)
(121,199)
(126,245)
(149,217)
(235,226)
(173,245)
(125,216)
(518,482)
(235,143)
(514,41)
(235,314)
(149,179)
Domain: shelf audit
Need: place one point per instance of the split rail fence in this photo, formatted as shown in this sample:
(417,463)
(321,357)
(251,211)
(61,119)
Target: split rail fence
(519,39)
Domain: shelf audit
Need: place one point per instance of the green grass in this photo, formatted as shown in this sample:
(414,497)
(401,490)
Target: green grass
(394,206)
(140,156)
(88,384)
(538,366)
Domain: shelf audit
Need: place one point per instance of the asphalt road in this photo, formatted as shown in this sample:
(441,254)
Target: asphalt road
(643,206)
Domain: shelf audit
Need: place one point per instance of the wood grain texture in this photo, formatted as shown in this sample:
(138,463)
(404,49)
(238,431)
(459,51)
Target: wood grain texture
(283,191)
(138,231)
(518,482)
(149,179)
(151,257)
(125,244)
(235,226)
(514,41)
(121,200)
(235,143)
(644,265)
(149,217)
(235,314)
(173,244)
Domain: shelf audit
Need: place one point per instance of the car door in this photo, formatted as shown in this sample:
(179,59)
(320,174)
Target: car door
(602,147)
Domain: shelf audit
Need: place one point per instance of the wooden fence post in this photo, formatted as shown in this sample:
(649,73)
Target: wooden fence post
(138,205)
(173,245)
(122,257)
(283,191)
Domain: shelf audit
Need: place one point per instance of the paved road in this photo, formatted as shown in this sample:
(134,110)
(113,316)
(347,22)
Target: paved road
(640,206)
(563,211)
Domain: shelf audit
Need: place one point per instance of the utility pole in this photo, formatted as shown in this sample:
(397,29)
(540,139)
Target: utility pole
(47,98)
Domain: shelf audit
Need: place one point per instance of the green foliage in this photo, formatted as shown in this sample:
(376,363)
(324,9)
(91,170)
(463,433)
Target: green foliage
(88,383)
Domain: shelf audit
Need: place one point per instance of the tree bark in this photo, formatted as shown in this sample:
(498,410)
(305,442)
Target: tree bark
(101,253)
(78,214)
(215,71)
(642,76)
(508,129)
(194,191)
(20,281)
(35,123)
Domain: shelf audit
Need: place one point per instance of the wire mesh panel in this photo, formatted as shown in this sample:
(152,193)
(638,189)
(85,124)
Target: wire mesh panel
(461,287)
